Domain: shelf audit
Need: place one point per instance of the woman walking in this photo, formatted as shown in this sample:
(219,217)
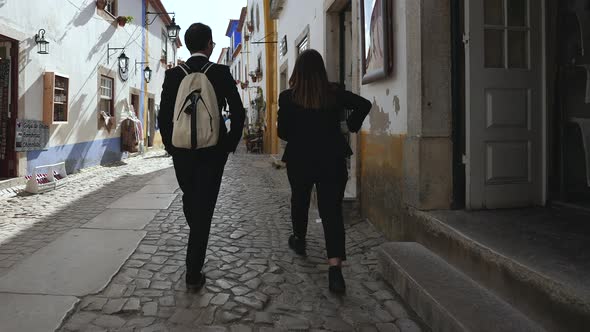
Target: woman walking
(316,152)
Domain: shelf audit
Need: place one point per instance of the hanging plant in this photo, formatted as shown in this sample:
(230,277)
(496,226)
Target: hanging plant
(122,20)
(259,102)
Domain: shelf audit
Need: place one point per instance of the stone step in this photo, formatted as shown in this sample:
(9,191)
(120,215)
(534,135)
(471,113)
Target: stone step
(534,259)
(445,298)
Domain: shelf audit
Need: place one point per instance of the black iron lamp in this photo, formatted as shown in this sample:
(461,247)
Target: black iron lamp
(41,42)
(147,71)
(172,28)
(147,74)
(123,61)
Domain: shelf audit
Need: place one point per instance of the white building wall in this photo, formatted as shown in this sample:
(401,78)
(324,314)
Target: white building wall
(255,16)
(78,38)
(294,20)
(389,95)
(154,47)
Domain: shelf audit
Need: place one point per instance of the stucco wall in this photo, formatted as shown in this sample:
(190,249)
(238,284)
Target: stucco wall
(383,134)
(78,38)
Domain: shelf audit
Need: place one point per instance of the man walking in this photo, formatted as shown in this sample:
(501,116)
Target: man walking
(199,172)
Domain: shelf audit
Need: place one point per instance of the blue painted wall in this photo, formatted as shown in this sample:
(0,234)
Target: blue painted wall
(77,156)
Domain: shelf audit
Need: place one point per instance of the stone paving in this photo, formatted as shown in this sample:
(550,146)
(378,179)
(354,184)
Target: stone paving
(30,222)
(255,283)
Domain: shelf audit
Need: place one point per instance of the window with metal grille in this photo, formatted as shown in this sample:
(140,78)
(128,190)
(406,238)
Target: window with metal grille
(303,45)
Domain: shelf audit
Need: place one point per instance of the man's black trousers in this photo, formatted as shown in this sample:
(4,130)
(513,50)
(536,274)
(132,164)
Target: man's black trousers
(199,176)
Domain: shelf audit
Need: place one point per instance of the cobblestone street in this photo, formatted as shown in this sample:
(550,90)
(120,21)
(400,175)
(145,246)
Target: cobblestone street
(254,282)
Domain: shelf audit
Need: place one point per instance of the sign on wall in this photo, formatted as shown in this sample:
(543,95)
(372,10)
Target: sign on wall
(31,135)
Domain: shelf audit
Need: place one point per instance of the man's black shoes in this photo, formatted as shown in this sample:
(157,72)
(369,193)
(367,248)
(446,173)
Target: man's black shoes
(336,280)
(297,244)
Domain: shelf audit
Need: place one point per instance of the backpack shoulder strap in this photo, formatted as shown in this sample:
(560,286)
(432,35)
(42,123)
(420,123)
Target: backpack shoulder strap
(185,68)
(206,67)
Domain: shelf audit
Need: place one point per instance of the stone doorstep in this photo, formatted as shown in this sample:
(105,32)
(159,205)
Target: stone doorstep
(446,299)
(548,301)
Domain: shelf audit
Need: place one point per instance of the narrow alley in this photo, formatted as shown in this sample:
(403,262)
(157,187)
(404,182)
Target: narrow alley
(254,282)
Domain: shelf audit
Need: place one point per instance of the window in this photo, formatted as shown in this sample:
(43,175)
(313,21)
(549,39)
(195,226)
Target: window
(164,47)
(106,96)
(303,45)
(111,7)
(506,34)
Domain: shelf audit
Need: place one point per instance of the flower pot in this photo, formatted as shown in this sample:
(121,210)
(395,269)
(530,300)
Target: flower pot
(101,4)
(122,21)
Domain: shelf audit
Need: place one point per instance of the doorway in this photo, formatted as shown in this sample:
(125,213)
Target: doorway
(151,121)
(341,68)
(571,108)
(135,103)
(8,106)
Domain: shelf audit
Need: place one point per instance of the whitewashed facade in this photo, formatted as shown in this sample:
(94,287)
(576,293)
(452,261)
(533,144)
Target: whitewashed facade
(79,34)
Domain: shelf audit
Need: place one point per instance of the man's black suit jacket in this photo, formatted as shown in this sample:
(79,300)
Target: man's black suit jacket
(226,92)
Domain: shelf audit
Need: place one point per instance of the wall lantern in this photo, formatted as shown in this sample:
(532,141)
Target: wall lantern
(147,74)
(41,42)
(171,28)
(147,71)
(123,61)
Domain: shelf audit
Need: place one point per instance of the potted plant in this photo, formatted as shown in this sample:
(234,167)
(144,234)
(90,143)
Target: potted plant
(244,85)
(101,4)
(122,20)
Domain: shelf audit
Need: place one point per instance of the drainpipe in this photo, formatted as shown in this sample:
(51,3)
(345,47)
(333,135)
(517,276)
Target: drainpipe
(143,84)
(270,30)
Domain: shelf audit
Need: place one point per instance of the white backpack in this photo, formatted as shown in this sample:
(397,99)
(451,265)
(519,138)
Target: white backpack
(196,113)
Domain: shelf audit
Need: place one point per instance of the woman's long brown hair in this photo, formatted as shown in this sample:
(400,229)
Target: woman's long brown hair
(309,80)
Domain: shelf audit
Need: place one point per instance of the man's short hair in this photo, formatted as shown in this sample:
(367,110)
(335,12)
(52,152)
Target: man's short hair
(197,37)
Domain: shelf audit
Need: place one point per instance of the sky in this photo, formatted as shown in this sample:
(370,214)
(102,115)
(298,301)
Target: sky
(214,13)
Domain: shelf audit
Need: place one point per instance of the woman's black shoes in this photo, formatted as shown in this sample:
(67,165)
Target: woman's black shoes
(194,283)
(298,245)
(336,280)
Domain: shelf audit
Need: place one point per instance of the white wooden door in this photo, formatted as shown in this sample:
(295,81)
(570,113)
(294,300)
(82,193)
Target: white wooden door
(503,103)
